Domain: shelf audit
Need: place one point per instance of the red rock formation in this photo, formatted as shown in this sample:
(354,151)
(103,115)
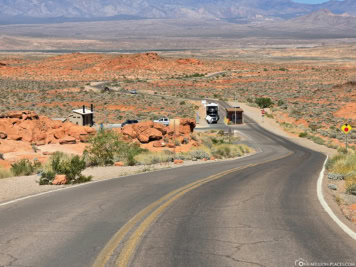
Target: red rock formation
(59,180)
(27,126)
(148,131)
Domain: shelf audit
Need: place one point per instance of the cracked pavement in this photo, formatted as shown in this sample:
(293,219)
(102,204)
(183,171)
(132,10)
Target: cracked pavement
(267,215)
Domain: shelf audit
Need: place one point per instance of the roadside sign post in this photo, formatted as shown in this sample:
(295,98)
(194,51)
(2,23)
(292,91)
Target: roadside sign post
(346,128)
(235,108)
(263,113)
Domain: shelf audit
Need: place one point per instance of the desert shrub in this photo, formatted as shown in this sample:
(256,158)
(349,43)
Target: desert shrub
(71,167)
(102,148)
(194,137)
(4,173)
(314,127)
(303,134)
(345,164)
(199,154)
(342,150)
(351,189)
(185,140)
(225,151)
(148,158)
(2,156)
(280,103)
(316,139)
(269,115)
(217,140)
(106,147)
(264,102)
(183,156)
(207,142)
(25,167)
(177,142)
(249,100)
(47,177)
(221,132)
(244,149)
(229,150)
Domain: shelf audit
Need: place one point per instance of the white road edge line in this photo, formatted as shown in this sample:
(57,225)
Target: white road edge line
(326,207)
(249,138)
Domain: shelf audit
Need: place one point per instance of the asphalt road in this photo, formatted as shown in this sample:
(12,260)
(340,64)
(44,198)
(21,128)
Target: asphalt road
(262,211)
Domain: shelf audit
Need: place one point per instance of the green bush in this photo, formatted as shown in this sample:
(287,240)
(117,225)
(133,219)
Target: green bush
(71,167)
(303,134)
(280,103)
(199,154)
(47,177)
(148,158)
(351,189)
(106,147)
(345,164)
(25,167)
(341,149)
(264,102)
(318,140)
(102,148)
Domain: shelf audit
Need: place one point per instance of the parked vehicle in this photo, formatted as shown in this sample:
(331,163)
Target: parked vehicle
(212,113)
(133,92)
(129,122)
(164,121)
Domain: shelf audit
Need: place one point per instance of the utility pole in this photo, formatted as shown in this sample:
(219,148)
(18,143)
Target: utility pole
(346,143)
(235,108)
(174,137)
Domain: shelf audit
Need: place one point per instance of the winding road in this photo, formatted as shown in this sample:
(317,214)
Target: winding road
(260,210)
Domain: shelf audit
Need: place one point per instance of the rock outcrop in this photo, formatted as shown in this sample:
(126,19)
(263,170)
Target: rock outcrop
(148,131)
(27,126)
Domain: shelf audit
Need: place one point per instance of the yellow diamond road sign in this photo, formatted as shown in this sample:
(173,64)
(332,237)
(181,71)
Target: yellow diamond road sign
(346,128)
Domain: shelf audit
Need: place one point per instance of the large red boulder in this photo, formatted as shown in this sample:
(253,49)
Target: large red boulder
(153,134)
(160,127)
(186,126)
(128,130)
(29,127)
(68,140)
(13,133)
(143,138)
(142,126)
(59,179)
(59,133)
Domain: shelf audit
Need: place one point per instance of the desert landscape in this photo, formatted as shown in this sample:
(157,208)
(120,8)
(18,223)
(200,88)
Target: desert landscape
(312,88)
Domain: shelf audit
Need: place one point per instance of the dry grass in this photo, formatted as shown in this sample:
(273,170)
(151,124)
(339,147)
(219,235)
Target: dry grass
(5,173)
(345,164)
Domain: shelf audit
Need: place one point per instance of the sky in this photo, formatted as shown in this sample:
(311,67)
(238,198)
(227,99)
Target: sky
(310,1)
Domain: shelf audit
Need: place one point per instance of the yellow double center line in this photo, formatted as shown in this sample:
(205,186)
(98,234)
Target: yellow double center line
(129,248)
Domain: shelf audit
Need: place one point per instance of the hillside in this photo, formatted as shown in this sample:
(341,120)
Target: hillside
(240,11)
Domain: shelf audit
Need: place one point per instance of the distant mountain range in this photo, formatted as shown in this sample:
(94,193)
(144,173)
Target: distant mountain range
(236,11)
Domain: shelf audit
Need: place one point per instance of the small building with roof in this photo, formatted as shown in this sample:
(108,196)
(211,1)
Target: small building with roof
(83,116)
(234,115)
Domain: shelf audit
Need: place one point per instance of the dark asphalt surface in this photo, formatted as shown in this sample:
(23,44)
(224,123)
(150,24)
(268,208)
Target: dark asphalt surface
(267,215)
